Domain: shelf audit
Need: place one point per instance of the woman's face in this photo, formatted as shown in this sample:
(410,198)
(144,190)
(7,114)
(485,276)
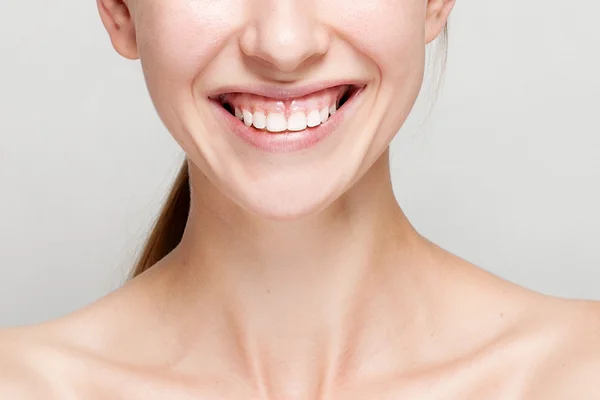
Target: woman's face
(282,104)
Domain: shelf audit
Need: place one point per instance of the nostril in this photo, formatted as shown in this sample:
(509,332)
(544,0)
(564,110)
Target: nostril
(284,40)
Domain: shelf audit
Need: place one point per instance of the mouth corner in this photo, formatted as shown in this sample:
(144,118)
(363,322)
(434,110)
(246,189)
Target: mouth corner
(350,92)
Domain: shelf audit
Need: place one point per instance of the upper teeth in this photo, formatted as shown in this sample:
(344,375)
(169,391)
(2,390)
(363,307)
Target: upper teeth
(277,122)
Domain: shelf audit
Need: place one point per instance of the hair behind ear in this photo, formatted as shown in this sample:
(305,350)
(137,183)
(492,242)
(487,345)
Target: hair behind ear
(170,225)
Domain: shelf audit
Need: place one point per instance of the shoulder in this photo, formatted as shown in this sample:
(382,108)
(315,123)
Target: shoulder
(570,367)
(27,366)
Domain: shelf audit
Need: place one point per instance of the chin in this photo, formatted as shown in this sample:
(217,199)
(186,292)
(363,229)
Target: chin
(292,200)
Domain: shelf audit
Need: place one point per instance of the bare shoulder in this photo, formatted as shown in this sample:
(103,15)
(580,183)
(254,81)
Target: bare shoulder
(570,368)
(27,365)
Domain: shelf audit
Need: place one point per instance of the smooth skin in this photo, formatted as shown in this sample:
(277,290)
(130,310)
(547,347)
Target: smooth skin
(299,277)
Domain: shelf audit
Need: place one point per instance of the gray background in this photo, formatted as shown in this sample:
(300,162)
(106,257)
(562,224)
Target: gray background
(505,171)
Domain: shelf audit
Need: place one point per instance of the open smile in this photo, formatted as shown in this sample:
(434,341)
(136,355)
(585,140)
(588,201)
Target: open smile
(274,121)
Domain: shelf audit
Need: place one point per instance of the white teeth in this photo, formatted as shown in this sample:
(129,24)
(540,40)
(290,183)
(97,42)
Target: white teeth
(276,123)
(324,115)
(247,118)
(297,122)
(314,118)
(259,120)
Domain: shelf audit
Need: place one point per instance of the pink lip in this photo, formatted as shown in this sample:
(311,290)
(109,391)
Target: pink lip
(285,142)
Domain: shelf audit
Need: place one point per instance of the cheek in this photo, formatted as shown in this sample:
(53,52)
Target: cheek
(178,38)
(389,32)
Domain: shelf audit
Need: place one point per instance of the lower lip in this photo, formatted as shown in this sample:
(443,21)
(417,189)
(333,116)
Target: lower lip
(285,142)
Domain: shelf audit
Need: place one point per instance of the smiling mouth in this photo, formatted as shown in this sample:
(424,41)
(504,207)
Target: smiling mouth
(290,114)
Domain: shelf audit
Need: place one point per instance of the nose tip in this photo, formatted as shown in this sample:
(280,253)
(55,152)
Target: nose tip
(285,38)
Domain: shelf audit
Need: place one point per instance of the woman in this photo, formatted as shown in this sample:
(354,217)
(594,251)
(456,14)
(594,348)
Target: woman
(282,266)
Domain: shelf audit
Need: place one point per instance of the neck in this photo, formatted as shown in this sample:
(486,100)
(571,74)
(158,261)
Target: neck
(297,300)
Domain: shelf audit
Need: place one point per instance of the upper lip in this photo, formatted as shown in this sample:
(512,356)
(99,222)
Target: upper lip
(283,92)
